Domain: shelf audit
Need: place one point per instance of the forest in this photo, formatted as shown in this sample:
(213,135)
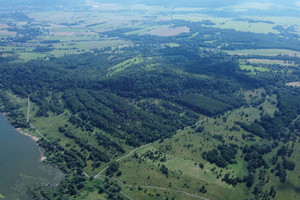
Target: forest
(143,105)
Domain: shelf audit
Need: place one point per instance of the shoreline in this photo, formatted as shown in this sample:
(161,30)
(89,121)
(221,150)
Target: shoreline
(35,139)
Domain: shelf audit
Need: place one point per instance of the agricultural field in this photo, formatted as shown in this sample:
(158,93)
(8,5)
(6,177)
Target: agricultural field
(264,52)
(66,32)
(246,65)
(167,31)
(271,62)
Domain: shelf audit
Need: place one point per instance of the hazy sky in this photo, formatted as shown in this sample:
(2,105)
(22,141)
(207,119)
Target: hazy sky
(255,7)
(190,3)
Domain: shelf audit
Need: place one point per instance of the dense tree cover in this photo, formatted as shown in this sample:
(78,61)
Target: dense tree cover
(231,181)
(17,119)
(124,105)
(222,156)
(254,128)
(164,170)
(253,155)
(133,107)
(289,108)
(282,125)
(107,142)
(70,186)
(95,154)
(43,49)
(12,111)
(67,160)
(205,105)
(112,168)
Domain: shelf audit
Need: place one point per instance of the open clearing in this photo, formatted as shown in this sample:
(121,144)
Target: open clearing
(247,27)
(229,23)
(253,69)
(3,26)
(265,52)
(8,33)
(272,62)
(294,84)
(167,31)
(181,154)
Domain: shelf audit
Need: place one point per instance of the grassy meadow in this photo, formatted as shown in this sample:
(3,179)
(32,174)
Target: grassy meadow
(181,154)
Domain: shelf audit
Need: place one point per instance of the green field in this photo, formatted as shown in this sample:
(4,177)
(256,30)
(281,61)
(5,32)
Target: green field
(264,52)
(251,68)
(229,23)
(271,62)
(123,65)
(182,153)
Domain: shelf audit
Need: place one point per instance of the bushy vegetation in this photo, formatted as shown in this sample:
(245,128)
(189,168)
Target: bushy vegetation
(222,156)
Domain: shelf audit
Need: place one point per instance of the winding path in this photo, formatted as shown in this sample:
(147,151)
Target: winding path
(131,152)
(85,174)
(119,159)
(98,176)
(159,188)
(28,108)
(28,111)
(134,150)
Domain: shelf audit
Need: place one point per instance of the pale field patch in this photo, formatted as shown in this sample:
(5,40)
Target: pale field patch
(293,84)
(8,33)
(3,26)
(264,52)
(269,61)
(167,31)
(253,5)
(63,33)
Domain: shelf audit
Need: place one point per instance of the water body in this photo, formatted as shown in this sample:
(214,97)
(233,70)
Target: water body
(19,157)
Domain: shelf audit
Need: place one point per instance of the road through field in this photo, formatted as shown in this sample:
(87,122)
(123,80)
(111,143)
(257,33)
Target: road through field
(131,152)
(161,188)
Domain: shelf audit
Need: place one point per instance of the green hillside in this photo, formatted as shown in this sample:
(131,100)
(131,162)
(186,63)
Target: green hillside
(155,105)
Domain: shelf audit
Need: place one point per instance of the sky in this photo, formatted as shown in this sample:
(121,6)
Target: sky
(181,3)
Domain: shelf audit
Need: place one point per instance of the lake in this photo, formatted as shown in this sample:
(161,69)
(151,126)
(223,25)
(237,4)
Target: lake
(19,161)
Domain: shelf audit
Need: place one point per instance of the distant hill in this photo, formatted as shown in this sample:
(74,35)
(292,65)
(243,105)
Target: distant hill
(175,3)
(41,3)
(199,3)
(190,3)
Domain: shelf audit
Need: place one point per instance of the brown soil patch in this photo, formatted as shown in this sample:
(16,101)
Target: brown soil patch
(13,34)
(63,33)
(3,26)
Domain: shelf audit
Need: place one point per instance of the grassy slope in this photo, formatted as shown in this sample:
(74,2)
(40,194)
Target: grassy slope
(183,153)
